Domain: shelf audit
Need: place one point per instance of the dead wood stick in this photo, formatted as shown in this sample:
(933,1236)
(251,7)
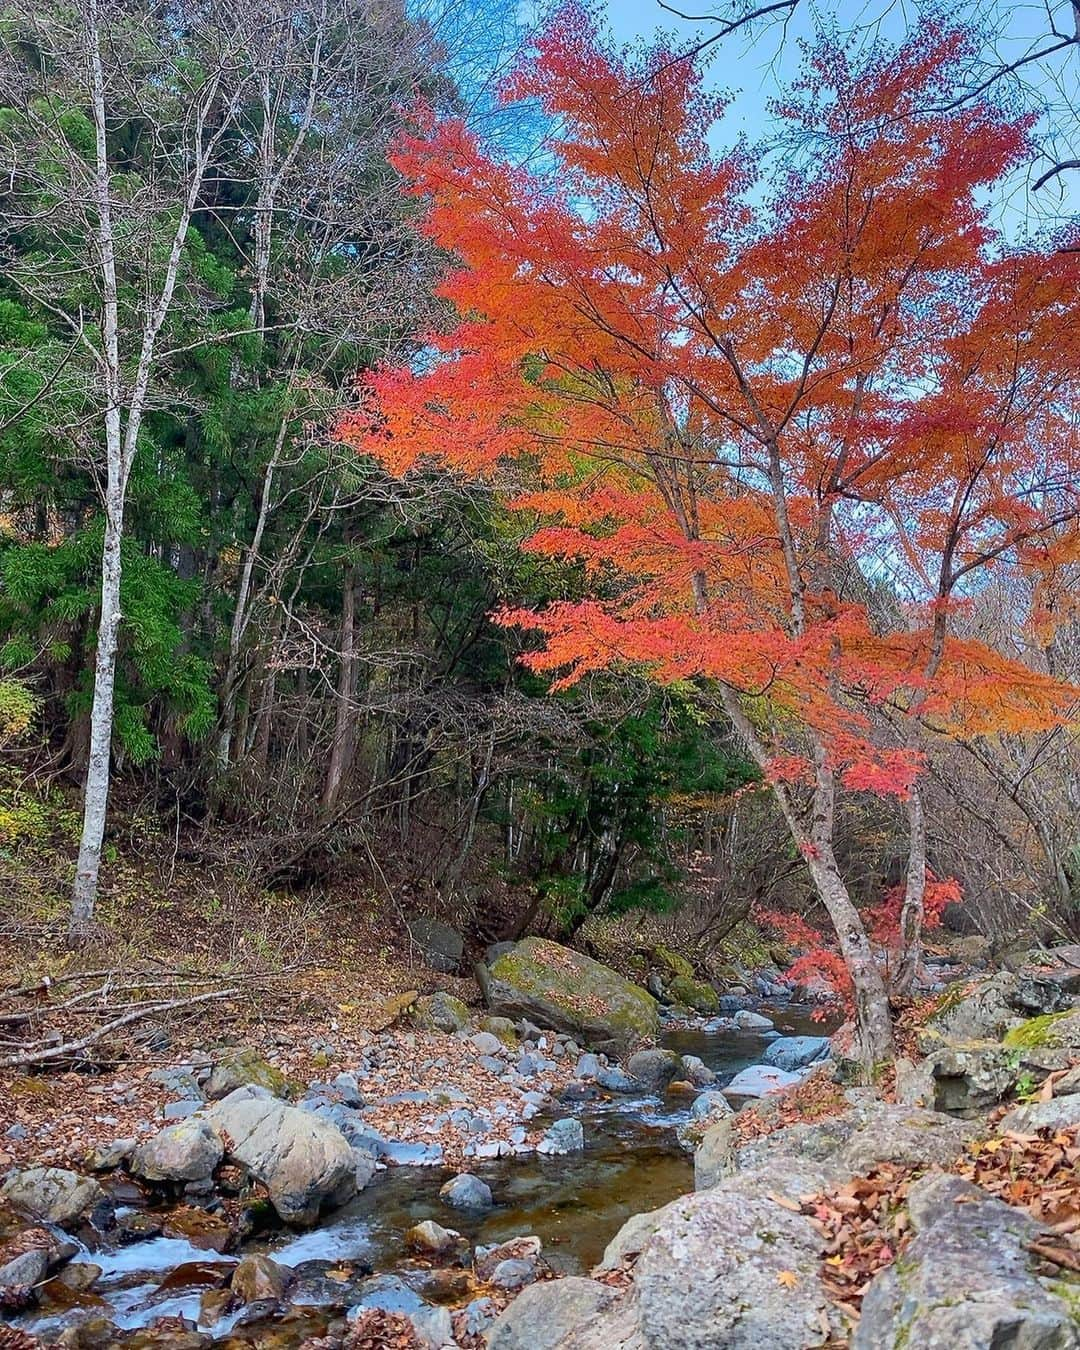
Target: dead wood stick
(41,1053)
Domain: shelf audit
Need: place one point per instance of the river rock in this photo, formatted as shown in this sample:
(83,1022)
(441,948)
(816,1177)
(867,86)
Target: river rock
(258,1277)
(24,1271)
(654,1069)
(723,1268)
(432,1237)
(565,1136)
(441,946)
(188,1150)
(692,993)
(244,1068)
(966,1281)
(440,1012)
(746,1020)
(57,1196)
(588,1066)
(759,1080)
(697,1072)
(706,1110)
(543,1314)
(569,992)
(305,1163)
(796,1052)
(466,1191)
(615,1079)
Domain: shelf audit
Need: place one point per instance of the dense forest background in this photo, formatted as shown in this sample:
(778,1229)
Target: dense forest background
(309,686)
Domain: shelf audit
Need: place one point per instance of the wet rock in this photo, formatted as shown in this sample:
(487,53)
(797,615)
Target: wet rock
(305,1163)
(516,1249)
(514,1273)
(258,1278)
(388,1293)
(432,1238)
(565,1136)
(706,1110)
(467,1192)
(746,1020)
(27,1269)
(697,1072)
(476,1317)
(441,946)
(796,1052)
(615,1080)
(543,981)
(654,1069)
(57,1195)
(440,1012)
(244,1068)
(189,1150)
(966,1280)
(588,1066)
(542,1315)
(760,1080)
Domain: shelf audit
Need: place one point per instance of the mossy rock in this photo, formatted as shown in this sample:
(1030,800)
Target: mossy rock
(439,1012)
(500,1027)
(567,991)
(1051,1031)
(695,994)
(673,962)
(244,1068)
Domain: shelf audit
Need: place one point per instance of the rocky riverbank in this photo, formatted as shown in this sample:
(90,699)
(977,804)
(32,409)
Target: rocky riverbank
(459,1177)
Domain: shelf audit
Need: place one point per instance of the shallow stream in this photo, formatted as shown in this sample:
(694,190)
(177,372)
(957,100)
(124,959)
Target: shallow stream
(632,1162)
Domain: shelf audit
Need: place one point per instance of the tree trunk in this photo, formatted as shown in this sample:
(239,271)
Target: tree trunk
(344,740)
(911,912)
(96,792)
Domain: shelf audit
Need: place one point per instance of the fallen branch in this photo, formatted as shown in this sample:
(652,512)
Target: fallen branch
(40,1053)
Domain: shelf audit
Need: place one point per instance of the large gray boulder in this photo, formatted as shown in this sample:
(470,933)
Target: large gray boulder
(726,1269)
(966,1281)
(441,946)
(760,1080)
(55,1195)
(983,1011)
(543,1314)
(964,1079)
(186,1151)
(1060,1113)
(798,1159)
(305,1163)
(567,991)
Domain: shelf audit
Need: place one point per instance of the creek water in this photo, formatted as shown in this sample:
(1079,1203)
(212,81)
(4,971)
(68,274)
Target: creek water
(632,1162)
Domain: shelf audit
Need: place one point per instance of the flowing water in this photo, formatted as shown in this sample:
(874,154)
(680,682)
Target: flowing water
(632,1162)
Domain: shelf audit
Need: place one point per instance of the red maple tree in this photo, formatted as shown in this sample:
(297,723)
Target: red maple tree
(753,407)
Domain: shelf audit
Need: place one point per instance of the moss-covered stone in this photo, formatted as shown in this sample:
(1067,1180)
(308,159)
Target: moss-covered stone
(244,1068)
(673,962)
(695,994)
(500,1027)
(1050,1031)
(439,1012)
(563,989)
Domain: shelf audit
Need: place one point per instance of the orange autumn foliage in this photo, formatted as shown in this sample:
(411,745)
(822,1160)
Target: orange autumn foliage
(741,406)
